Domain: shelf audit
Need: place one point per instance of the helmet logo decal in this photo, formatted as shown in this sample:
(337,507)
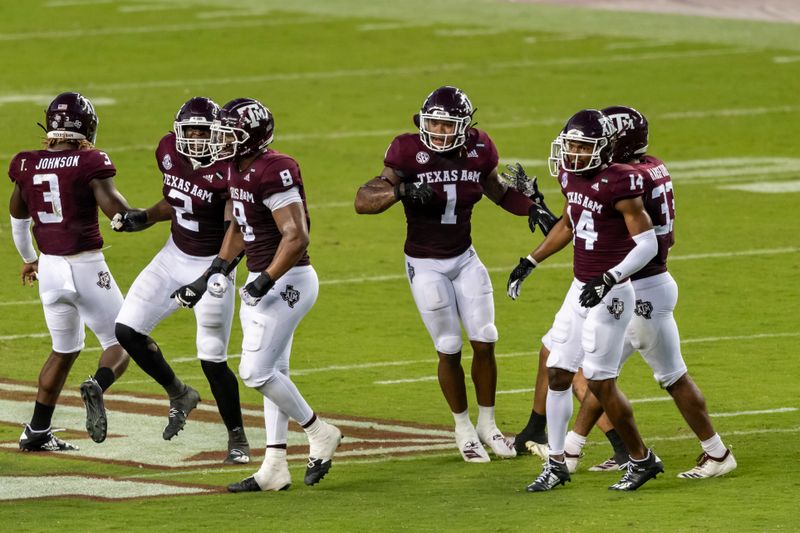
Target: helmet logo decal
(254,113)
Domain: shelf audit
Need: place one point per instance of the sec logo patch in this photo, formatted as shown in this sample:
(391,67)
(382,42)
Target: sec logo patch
(423,157)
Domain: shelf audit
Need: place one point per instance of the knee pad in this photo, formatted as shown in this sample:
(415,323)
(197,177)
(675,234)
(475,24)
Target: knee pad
(253,376)
(449,345)
(487,333)
(211,349)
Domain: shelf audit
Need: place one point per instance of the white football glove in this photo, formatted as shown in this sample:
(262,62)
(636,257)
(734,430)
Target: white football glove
(218,285)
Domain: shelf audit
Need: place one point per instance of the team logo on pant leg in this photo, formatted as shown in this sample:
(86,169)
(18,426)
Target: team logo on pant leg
(104,280)
(616,308)
(291,296)
(411,273)
(643,309)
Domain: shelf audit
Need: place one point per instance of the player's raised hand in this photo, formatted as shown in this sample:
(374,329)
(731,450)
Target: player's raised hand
(518,179)
(540,215)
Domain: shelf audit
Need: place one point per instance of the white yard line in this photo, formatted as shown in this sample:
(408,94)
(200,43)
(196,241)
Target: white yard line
(21,302)
(160,28)
(758,412)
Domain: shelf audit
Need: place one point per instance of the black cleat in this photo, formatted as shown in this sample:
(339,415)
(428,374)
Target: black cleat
(43,441)
(238,448)
(179,409)
(96,422)
(553,475)
(316,470)
(320,453)
(639,472)
(530,442)
(246,485)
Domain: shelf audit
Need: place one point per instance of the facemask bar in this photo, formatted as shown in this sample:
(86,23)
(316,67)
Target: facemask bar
(195,148)
(451,140)
(559,155)
(225,140)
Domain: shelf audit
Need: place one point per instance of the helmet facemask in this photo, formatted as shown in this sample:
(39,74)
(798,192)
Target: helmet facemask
(225,140)
(572,152)
(191,146)
(442,132)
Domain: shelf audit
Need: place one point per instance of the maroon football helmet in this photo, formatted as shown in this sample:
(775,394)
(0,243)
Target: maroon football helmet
(632,133)
(244,127)
(444,119)
(197,113)
(71,116)
(585,143)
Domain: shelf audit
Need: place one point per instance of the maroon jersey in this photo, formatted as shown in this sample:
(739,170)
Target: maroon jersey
(197,197)
(659,202)
(55,188)
(600,235)
(442,228)
(273,172)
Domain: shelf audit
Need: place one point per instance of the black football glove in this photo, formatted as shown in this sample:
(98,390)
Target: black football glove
(252,293)
(516,178)
(134,220)
(595,290)
(540,215)
(518,275)
(415,193)
(188,295)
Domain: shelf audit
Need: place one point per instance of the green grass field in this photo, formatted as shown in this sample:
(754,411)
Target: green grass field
(343,78)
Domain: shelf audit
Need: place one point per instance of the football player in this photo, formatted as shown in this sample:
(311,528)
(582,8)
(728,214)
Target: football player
(269,205)
(652,330)
(613,238)
(57,190)
(195,197)
(439,174)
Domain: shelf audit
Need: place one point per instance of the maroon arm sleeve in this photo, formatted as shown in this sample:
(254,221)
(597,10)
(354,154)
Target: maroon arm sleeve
(516,203)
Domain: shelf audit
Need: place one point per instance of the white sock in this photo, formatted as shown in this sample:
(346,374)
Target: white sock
(275,454)
(285,395)
(463,423)
(315,428)
(559,411)
(574,443)
(714,446)
(486,417)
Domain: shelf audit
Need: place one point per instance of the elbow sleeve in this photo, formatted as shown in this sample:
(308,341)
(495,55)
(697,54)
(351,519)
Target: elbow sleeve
(21,233)
(646,248)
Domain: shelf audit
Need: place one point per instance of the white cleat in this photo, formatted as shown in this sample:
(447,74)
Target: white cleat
(273,475)
(708,466)
(470,447)
(500,445)
(540,449)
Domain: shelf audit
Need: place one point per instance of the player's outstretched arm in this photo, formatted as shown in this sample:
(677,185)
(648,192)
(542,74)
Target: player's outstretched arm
(381,192)
(291,222)
(515,192)
(556,240)
(21,233)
